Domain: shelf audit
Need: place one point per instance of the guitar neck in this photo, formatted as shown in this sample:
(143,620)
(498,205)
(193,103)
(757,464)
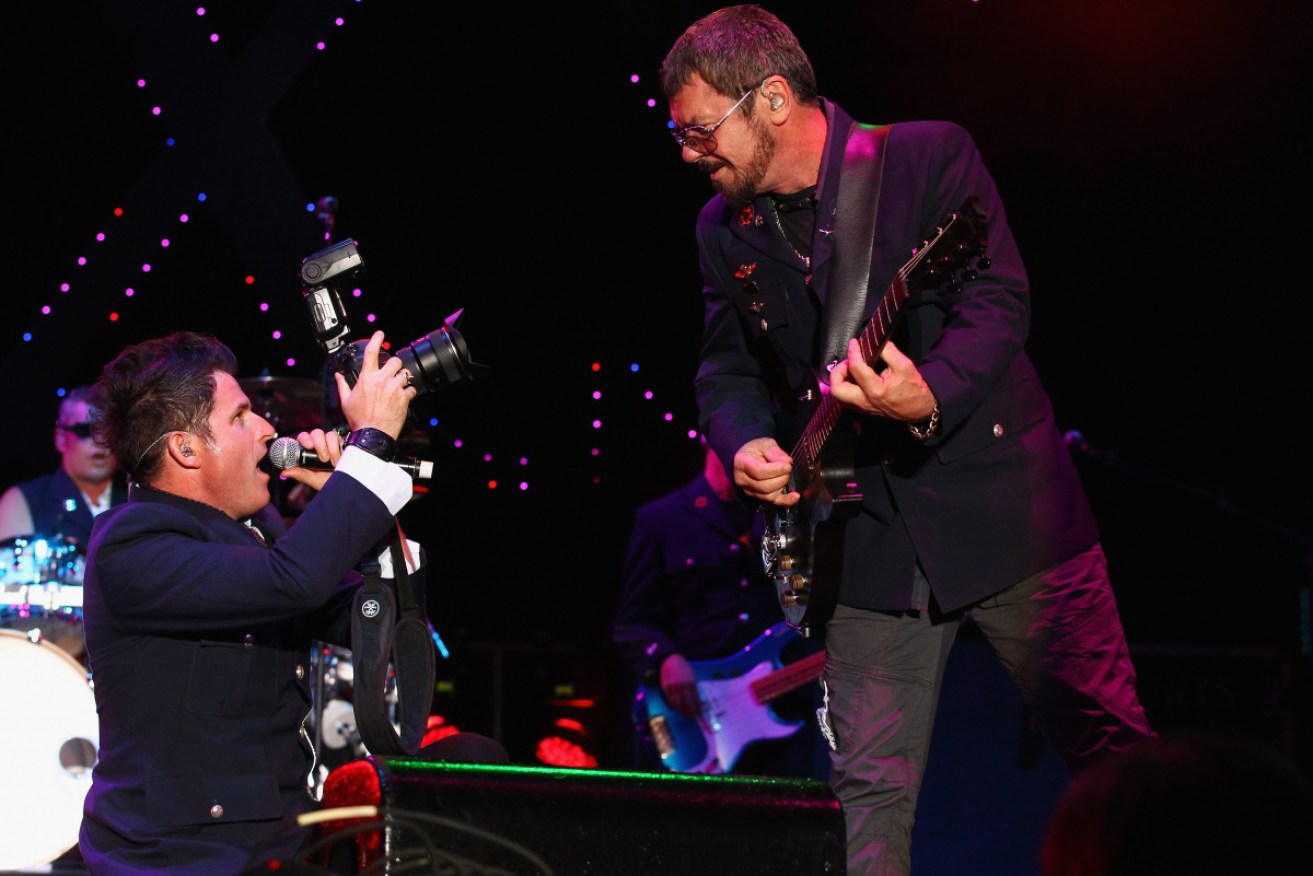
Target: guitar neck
(871,341)
(791,677)
(881,324)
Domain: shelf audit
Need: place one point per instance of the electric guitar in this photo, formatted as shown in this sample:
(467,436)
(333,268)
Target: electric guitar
(802,546)
(734,693)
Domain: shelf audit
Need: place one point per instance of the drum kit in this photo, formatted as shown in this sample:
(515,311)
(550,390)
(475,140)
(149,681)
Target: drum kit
(49,732)
(333,717)
(41,589)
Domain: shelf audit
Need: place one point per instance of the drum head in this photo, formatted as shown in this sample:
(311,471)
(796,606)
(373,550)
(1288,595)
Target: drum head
(50,737)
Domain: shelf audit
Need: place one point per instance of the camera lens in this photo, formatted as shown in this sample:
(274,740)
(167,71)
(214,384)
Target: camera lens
(436,360)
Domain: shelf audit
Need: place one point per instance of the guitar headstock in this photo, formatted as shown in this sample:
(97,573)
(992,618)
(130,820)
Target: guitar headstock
(956,252)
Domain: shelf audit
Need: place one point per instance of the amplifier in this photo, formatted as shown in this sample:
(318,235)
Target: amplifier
(537,821)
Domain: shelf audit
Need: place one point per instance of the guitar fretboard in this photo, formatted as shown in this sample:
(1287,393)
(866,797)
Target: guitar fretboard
(790,677)
(871,341)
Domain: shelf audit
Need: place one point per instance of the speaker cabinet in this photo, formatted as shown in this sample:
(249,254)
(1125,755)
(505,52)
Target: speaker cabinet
(535,821)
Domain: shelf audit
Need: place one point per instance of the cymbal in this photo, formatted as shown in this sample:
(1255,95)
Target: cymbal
(291,404)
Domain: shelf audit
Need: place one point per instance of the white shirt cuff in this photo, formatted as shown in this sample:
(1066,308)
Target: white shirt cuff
(385,560)
(387,481)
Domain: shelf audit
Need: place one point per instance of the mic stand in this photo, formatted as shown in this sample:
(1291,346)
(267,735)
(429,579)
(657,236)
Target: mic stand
(317,694)
(1078,445)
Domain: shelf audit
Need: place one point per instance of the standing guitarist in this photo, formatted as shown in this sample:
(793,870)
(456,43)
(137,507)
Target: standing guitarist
(695,594)
(968,499)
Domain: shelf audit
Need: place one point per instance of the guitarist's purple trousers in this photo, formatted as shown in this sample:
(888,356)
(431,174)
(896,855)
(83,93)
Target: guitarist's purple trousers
(1058,635)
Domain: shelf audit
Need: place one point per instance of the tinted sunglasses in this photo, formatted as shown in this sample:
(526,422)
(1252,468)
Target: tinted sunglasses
(81,430)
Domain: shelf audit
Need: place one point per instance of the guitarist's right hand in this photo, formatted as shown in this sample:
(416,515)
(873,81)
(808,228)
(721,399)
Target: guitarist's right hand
(762,469)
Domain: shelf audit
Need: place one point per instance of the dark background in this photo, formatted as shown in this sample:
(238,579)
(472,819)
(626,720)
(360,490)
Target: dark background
(1152,158)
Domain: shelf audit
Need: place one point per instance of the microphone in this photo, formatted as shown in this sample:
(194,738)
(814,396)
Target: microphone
(287,452)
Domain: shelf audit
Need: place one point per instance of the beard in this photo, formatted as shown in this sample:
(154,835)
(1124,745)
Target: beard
(743,183)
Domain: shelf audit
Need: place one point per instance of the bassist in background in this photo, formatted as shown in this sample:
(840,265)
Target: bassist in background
(968,498)
(694,590)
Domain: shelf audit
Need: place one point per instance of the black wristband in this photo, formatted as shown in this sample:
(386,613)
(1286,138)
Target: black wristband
(375,442)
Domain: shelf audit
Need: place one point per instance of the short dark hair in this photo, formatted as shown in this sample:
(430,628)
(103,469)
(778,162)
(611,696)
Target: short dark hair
(734,49)
(1159,806)
(153,388)
(73,396)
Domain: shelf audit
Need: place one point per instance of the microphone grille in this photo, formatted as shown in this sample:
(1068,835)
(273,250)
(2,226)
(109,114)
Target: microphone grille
(285,453)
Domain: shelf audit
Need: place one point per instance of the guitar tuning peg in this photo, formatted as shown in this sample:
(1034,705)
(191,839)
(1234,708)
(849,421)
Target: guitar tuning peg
(983,263)
(955,287)
(969,274)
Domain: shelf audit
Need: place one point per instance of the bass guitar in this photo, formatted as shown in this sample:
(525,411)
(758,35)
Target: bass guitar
(734,695)
(802,546)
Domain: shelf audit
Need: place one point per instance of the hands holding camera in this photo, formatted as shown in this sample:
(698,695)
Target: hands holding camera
(381,395)
(380,400)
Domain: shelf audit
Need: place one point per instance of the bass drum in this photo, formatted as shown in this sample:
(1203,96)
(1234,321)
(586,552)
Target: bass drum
(49,737)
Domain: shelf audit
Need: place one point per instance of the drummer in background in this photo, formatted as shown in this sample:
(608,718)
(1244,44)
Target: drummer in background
(63,502)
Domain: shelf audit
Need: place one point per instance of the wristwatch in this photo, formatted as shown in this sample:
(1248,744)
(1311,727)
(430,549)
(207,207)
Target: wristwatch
(375,442)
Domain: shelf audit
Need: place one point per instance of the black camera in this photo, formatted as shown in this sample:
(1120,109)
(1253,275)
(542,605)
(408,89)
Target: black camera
(435,360)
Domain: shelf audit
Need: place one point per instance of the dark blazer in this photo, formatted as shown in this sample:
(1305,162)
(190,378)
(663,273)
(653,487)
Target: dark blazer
(198,638)
(990,499)
(693,581)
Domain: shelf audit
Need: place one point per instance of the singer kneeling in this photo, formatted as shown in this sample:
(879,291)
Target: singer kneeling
(200,607)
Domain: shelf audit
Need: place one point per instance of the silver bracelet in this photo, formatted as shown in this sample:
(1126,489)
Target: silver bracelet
(930,428)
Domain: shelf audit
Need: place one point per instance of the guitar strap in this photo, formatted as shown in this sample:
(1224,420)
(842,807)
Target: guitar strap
(854,233)
(388,623)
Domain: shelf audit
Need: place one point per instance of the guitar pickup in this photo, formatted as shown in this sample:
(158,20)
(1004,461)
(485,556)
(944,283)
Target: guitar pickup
(661,738)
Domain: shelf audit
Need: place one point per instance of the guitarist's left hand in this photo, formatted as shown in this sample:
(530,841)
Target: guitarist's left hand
(898,392)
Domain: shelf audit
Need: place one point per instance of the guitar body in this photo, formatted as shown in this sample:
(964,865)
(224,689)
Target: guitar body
(733,692)
(802,547)
(804,544)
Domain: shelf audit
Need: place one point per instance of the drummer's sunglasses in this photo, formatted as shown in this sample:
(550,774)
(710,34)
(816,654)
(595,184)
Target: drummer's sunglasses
(82,430)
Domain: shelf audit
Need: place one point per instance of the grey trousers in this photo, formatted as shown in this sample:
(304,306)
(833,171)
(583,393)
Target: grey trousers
(1058,635)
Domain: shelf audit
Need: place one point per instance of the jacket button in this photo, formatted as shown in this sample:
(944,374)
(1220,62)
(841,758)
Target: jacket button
(998,430)
(300,671)
(248,640)
(216,811)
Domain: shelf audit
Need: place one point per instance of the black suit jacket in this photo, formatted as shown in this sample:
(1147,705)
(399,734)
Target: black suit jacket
(198,638)
(693,581)
(990,499)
